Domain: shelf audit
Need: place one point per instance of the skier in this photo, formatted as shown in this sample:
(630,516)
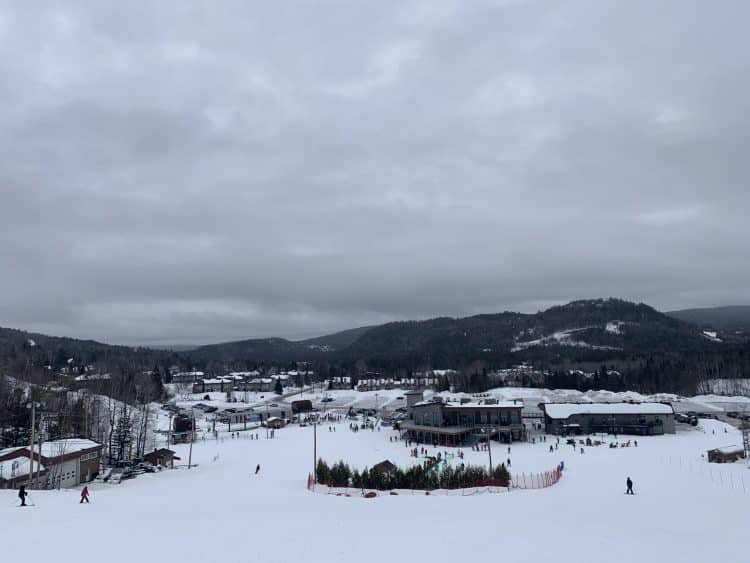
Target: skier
(22,494)
(257,469)
(84,495)
(629,484)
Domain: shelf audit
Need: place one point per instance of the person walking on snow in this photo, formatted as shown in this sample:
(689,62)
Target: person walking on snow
(257,469)
(629,484)
(84,495)
(22,494)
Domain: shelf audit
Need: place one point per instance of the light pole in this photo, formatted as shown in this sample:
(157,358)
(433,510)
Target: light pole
(192,439)
(32,405)
(315,450)
(489,451)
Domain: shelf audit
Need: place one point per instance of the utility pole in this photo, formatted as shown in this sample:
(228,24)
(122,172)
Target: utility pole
(315,450)
(192,439)
(489,452)
(31,442)
(39,452)
(169,430)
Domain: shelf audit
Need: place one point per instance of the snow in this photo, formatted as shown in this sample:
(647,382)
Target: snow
(711,335)
(730,449)
(564,410)
(613,327)
(560,338)
(220,511)
(68,446)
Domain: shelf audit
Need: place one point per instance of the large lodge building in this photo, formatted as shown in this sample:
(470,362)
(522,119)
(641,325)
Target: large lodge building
(456,423)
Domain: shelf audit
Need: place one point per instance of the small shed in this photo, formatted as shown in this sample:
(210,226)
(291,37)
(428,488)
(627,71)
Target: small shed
(727,454)
(385,466)
(275,422)
(161,457)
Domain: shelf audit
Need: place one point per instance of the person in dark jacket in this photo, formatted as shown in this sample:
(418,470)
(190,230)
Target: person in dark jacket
(22,494)
(257,469)
(629,484)
(84,495)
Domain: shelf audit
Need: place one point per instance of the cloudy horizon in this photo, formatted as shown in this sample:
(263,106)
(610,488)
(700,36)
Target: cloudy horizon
(196,173)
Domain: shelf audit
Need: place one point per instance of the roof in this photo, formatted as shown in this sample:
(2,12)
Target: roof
(729,450)
(385,465)
(17,467)
(67,446)
(564,410)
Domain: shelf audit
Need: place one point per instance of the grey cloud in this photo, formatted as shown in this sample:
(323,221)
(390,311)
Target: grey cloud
(198,173)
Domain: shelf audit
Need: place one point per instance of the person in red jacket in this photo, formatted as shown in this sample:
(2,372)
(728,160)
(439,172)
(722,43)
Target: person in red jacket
(84,494)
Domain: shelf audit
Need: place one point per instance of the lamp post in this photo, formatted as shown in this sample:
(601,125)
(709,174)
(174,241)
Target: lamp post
(32,405)
(315,450)
(192,439)
(489,451)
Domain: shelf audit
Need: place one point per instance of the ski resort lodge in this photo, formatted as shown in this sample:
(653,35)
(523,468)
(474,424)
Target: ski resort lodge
(61,464)
(459,423)
(642,419)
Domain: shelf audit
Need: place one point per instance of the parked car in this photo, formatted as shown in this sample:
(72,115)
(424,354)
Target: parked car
(326,399)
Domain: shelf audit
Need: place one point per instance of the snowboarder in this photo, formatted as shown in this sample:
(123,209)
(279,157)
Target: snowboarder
(84,495)
(22,494)
(257,469)
(629,484)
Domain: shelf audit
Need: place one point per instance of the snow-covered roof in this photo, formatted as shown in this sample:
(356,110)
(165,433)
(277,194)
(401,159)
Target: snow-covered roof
(564,410)
(17,467)
(483,404)
(67,446)
(730,449)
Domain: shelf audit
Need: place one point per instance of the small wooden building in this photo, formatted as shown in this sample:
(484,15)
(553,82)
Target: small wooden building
(385,466)
(161,457)
(275,423)
(727,454)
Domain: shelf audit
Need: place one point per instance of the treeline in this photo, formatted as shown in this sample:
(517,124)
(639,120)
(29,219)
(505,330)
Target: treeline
(417,477)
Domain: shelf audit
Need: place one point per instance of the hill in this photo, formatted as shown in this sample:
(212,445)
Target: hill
(730,319)
(594,329)
(591,329)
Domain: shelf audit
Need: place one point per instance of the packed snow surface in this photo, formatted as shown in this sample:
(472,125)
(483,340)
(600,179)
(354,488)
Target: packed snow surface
(684,509)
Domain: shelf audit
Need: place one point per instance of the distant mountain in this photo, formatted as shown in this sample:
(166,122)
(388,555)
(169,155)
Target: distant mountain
(278,349)
(595,328)
(733,318)
(590,329)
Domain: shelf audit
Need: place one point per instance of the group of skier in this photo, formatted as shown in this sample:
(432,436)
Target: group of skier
(23,493)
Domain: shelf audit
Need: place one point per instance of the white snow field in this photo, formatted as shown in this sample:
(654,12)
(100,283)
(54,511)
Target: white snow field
(684,509)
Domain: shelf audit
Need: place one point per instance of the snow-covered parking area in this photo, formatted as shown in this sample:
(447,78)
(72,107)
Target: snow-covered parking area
(684,509)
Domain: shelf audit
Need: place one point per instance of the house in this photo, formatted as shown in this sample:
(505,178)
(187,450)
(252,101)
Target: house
(643,419)
(14,468)
(188,377)
(452,423)
(161,457)
(340,382)
(238,416)
(385,466)
(59,463)
(727,454)
(214,385)
(275,422)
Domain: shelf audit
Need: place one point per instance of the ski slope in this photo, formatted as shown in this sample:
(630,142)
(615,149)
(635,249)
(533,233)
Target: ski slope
(684,510)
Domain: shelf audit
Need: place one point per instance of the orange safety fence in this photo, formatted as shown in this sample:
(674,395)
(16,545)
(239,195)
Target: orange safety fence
(524,481)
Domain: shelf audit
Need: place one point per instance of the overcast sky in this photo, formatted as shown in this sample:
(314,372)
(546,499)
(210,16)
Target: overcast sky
(177,172)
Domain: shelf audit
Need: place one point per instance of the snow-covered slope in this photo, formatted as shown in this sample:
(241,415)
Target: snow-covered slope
(221,511)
